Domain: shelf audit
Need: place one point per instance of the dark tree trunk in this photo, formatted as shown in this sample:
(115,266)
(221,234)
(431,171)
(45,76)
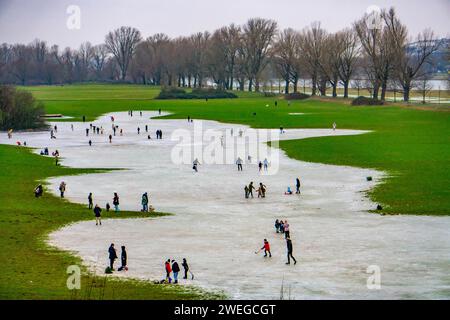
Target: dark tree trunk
(345,89)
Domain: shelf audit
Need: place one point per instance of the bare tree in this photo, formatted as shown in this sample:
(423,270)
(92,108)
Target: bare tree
(255,45)
(312,43)
(285,56)
(122,43)
(412,60)
(347,56)
(99,56)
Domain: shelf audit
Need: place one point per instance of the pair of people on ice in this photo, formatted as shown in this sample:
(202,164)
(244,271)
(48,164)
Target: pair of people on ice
(175,269)
(113,256)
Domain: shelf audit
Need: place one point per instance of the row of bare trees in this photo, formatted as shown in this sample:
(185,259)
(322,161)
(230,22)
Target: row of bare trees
(238,57)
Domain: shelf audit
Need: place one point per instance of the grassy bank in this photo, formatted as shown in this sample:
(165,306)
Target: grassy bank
(32,270)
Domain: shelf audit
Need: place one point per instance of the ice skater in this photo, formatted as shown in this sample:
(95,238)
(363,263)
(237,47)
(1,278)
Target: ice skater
(262,190)
(195,164)
(289,251)
(239,163)
(250,189)
(266,248)
(98,215)
(266,164)
(112,256)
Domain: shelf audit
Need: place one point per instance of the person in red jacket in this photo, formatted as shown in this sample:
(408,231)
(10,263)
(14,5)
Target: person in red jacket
(266,248)
(168,270)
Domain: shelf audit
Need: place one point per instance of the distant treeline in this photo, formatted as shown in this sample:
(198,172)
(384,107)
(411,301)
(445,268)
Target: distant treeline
(376,47)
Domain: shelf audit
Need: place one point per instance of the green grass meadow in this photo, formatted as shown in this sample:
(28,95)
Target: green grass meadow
(410,145)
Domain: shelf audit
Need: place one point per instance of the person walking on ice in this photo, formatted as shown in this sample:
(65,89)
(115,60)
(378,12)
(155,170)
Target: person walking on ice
(266,164)
(289,251)
(250,189)
(112,256)
(116,202)
(239,163)
(98,215)
(297,185)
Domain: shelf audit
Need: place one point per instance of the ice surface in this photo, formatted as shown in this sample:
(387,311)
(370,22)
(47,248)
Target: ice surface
(335,239)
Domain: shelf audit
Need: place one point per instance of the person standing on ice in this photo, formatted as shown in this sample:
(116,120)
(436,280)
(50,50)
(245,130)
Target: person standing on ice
(297,185)
(195,164)
(116,202)
(139,130)
(112,256)
(168,270)
(239,163)
(87,132)
(98,216)
(286,229)
(289,251)
(123,259)
(266,248)
(144,202)
(250,189)
(277,226)
(175,270)
(185,267)
(260,166)
(110,138)
(90,142)
(62,188)
(90,203)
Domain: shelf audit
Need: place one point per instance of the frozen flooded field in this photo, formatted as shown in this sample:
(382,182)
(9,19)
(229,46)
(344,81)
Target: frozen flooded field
(335,239)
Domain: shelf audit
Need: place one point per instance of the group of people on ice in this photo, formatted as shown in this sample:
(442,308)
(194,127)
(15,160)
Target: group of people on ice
(249,190)
(172,267)
(280,227)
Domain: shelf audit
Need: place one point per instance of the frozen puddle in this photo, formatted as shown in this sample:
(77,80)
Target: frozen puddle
(335,240)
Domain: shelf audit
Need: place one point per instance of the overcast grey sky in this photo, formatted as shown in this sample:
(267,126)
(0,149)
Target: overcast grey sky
(21,21)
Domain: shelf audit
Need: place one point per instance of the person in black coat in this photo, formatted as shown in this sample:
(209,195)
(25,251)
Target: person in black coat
(123,258)
(175,270)
(289,251)
(112,255)
(185,267)
(98,215)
